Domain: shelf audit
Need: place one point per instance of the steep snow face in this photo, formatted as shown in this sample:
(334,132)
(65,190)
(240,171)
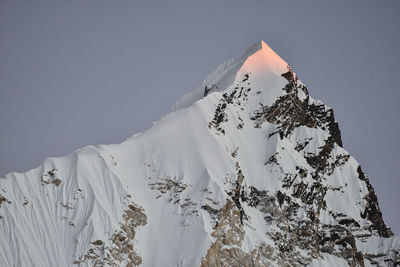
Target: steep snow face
(248,170)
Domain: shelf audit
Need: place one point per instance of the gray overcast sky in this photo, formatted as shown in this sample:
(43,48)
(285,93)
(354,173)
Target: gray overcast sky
(74,73)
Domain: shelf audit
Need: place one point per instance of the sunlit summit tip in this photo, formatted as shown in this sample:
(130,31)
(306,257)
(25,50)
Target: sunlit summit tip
(260,45)
(260,57)
(257,46)
(259,60)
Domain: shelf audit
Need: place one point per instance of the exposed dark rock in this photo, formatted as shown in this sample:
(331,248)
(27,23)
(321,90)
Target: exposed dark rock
(280,197)
(235,194)
(97,243)
(289,75)
(239,94)
(289,112)
(50,178)
(372,211)
(349,221)
(272,159)
(207,90)
(5,200)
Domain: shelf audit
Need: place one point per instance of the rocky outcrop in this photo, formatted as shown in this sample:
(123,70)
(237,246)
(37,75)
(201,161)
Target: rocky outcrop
(372,211)
(119,249)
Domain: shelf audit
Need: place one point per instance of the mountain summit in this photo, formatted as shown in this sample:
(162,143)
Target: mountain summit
(248,170)
(260,57)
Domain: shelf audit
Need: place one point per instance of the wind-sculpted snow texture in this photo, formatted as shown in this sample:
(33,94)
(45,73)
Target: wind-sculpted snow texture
(248,170)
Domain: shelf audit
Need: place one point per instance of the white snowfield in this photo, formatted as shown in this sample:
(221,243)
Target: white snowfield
(243,172)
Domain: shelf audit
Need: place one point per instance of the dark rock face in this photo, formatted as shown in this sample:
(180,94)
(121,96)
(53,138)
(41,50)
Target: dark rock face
(235,193)
(372,211)
(289,112)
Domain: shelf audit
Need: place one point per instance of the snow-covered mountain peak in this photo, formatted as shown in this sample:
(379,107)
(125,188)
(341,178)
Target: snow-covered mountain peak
(259,60)
(262,59)
(251,173)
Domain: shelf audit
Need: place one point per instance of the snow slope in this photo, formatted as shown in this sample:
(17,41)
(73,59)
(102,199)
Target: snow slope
(248,170)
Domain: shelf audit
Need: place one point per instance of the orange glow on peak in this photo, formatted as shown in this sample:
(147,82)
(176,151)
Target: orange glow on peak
(262,59)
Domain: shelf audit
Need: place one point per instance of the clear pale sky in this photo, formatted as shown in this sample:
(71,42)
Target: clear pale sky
(74,73)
